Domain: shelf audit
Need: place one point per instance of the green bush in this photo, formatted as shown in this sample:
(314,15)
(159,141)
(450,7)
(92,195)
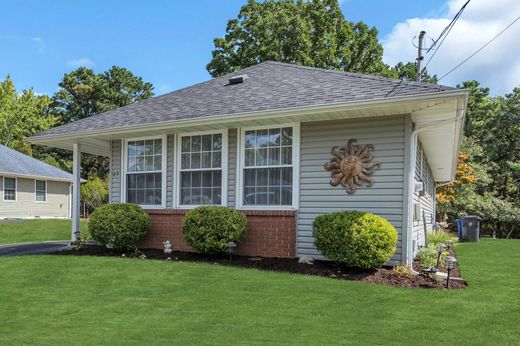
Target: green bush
(427,255)
(208,229)
(355,238)
(119,225)
(439,236)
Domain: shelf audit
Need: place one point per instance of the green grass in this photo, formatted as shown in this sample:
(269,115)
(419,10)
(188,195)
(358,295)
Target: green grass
(115,301)
(22,231)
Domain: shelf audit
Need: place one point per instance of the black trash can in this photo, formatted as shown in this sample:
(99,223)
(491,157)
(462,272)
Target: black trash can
(470,228)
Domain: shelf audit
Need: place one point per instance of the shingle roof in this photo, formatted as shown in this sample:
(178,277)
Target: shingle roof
(15,163)
(270,86)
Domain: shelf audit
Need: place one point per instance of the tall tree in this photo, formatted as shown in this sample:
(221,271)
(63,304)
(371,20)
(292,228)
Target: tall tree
(84,93)
(504,146)
(311,33)
(407,72)
(22,115)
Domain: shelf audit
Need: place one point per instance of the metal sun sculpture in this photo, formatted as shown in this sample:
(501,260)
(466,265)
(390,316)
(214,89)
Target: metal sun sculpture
(351,165)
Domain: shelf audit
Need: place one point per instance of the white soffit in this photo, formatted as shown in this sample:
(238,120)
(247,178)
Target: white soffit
(441,141)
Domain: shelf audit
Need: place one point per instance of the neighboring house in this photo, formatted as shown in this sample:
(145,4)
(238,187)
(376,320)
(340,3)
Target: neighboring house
(257,140)
(31,188)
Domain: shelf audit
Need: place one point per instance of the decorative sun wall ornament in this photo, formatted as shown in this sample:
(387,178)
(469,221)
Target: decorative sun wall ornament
(351,165)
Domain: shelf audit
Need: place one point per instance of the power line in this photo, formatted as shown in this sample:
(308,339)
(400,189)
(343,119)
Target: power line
(445,33)
(481,48)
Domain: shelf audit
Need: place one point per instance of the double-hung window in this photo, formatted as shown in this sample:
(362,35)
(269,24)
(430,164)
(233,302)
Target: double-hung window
(41,190)
(268,167)
(144,171)
(9,189)
(202,181)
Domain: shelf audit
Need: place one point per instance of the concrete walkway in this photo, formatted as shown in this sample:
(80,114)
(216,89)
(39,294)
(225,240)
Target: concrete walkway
(33,248)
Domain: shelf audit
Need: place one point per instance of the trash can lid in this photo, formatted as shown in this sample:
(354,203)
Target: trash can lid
(471,217)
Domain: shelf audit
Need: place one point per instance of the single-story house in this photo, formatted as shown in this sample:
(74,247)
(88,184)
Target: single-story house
(283,144)
(31,188)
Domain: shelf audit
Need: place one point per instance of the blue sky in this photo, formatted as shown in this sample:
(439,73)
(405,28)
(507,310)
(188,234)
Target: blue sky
(167,43)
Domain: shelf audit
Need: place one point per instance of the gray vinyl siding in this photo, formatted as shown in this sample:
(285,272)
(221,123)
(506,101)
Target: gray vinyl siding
(57,204)
(423,173)
(318,197)
(115,172)
(232,167)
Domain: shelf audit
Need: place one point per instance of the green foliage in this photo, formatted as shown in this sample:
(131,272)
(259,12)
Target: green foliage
(355,238)
(407,72)
(95,192)
(427,255)
(22,115)
(208,229)
(84,93)
(310,33)
(492,131)
(403,270)
(439,237)
(119,225)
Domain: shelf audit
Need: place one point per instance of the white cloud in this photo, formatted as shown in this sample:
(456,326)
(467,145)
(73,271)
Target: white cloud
(81,62)
(496,67)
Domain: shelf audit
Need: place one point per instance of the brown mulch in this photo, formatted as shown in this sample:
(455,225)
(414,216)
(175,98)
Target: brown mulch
(385,275)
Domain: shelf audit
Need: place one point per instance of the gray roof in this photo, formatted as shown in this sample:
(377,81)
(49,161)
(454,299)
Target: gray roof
(270,86)
(15,163)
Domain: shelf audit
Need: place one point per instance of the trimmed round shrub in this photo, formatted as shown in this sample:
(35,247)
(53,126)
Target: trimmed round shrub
(119,225)
(209,229)
(355,239)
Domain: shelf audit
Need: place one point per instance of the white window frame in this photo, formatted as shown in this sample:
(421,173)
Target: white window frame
(164,169)
(15,189)
(295,167)
(223,168)
(35,191)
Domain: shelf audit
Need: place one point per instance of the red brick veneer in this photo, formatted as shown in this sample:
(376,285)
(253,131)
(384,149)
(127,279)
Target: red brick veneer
(270,233)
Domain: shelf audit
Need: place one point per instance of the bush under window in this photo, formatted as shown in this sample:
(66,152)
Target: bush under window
(209,229)
(355,239)
(119,225)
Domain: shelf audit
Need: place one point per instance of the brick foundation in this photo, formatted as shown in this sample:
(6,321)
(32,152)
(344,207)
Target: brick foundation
(268,234)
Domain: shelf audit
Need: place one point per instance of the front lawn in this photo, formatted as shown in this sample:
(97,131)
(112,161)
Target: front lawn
(22,231)
(115,301)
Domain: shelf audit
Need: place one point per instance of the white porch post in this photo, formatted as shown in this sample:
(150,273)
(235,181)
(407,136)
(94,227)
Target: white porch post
(76,183)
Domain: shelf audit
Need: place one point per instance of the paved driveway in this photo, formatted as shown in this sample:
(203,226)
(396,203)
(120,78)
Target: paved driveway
(33,248)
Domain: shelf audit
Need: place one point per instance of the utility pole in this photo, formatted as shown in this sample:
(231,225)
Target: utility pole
(420,57)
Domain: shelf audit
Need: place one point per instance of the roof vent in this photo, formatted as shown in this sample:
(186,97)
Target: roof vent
(238,79)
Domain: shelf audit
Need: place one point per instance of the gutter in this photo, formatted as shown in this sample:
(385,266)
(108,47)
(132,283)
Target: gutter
(257,114)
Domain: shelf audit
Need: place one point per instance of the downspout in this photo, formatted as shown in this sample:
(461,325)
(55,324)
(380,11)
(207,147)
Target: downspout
(411,181)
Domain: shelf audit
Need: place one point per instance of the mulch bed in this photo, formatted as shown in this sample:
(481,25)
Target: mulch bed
(385,275)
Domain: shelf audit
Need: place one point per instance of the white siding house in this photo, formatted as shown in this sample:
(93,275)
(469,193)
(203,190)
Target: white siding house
(32,189)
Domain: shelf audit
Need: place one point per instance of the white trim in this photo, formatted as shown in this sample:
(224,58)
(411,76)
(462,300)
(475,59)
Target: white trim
(178,169)
(122,177)
(164,169)
(15,189)
(35,191)
(295,166)
(110,177)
